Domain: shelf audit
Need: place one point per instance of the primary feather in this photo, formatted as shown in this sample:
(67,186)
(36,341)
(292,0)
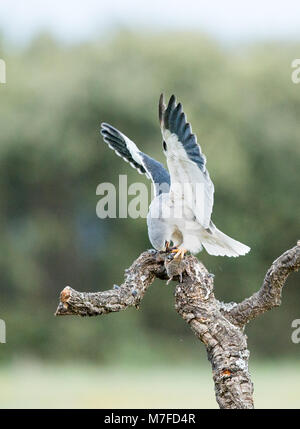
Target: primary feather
(143,163)
(186,162)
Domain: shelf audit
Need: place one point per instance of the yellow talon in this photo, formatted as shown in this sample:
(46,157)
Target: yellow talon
(179,253)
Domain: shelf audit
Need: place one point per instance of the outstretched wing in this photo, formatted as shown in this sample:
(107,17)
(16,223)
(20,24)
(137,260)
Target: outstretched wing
(187,164)
(144,164)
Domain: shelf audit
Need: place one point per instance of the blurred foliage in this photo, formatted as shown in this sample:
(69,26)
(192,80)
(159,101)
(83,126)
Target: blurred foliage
(245,111)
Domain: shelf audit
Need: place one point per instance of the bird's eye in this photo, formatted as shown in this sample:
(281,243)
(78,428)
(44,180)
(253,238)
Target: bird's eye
(165,145)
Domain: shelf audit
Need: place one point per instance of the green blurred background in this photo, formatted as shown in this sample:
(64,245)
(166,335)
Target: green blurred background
(245,111)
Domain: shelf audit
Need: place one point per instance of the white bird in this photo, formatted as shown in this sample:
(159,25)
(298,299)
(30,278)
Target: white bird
(180,212)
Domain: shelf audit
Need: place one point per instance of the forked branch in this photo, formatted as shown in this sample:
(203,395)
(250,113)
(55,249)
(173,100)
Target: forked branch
(218,325)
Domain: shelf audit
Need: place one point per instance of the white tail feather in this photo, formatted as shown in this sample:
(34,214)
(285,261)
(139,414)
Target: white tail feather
(219,244)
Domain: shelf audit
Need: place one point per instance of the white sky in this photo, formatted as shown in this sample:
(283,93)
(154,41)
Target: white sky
(227,20)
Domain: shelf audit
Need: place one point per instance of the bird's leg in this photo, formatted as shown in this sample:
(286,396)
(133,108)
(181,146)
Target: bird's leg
(179,252)
(167,246)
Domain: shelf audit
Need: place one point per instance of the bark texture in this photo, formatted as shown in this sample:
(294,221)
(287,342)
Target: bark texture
(218,325)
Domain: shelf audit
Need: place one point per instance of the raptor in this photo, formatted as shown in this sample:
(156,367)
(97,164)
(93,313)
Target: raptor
(180,213)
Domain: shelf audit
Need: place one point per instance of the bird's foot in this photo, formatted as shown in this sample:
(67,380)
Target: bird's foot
(179,253)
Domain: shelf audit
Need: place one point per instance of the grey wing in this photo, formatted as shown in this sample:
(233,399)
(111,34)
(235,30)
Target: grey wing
(186,162)
(144,164)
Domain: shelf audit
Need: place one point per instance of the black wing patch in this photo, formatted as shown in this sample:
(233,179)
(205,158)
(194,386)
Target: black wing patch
(116,141)
(160,176)
(174,119)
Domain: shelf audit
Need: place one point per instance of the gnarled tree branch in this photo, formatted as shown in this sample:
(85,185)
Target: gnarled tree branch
(218,325)
(269,295)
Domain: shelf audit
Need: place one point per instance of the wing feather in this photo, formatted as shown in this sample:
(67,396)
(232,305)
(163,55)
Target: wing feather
(186,162)
(143,163)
